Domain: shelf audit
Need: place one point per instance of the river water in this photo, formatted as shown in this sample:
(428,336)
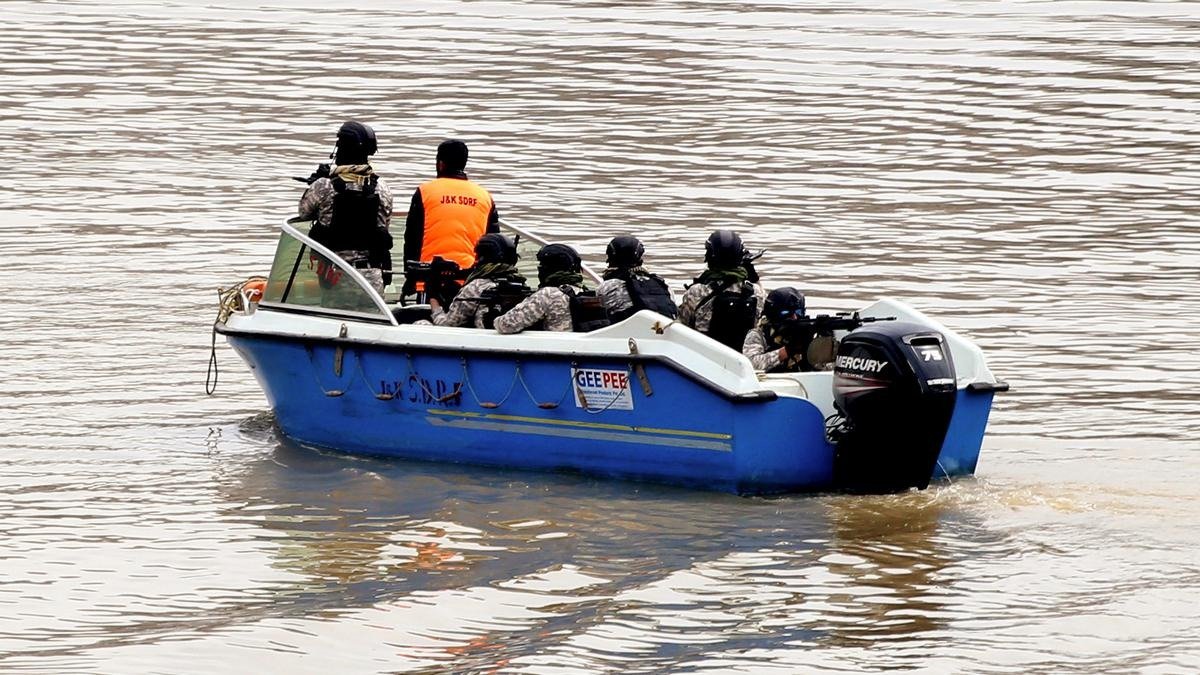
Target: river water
(1025,171)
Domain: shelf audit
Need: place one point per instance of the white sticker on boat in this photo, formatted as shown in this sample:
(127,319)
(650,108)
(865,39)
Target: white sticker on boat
(602,389)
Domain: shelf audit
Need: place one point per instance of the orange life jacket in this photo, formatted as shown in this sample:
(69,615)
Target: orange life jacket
(456,216)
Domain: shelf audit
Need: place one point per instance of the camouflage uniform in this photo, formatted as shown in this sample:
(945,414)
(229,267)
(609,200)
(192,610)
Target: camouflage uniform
(614,293)
(763,351)
(762,355)
(548,304)
(693,314)
(467,309)
(316,204)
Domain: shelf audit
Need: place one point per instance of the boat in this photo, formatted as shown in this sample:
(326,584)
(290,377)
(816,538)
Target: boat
(645,399)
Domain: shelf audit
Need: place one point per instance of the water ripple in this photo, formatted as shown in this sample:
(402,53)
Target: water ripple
(1023,170)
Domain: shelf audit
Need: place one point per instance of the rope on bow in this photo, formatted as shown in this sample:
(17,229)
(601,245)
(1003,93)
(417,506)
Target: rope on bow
(228,301)
(210,380)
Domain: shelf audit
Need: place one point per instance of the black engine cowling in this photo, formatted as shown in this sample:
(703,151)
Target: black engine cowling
(894,384)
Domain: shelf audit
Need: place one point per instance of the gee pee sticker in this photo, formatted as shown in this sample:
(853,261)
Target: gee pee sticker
(605,389)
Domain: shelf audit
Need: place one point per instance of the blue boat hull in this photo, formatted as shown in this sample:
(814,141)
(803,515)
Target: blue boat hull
(964,437)
(490,409)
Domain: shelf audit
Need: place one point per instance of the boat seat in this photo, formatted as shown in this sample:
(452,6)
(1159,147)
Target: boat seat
(412,313)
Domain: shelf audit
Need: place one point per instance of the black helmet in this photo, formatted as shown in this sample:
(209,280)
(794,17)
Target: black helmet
(724,249)
(355,142)
(453,153)
(495,248)
(783,303)
(625,251)
(558,258)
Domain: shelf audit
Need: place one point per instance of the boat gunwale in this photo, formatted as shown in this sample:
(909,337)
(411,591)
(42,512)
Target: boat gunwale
(756,396)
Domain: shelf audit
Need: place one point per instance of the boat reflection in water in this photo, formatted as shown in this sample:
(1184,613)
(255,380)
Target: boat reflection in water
(887,550)
(446,564)
(340,519)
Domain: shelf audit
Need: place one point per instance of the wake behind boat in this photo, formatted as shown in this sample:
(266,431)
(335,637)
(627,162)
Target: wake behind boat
(643,399)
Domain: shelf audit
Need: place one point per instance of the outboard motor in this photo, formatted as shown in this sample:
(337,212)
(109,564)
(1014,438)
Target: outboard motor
(895,387)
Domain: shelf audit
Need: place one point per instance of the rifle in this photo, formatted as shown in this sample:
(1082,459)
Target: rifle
(502,297)
(800,331)
(825,324)
(442,279)
(811,337)
(321,172)
(322,169)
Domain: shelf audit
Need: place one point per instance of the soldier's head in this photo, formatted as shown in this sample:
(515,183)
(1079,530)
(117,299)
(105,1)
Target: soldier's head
(625,251)
(451,157)
(784,304)
(724,250)
(355,142)
(495,248)
(557,258)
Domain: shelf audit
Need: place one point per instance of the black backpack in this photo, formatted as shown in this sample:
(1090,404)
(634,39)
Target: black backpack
(587,310)
(649,292)
(734,311)
(354,223)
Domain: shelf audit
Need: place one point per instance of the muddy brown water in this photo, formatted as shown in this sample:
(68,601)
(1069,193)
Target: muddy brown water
(1024,171)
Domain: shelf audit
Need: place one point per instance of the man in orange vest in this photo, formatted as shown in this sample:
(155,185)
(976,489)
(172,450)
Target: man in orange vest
(450,213)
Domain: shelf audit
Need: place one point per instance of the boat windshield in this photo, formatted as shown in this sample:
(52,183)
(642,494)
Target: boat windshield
(306,275)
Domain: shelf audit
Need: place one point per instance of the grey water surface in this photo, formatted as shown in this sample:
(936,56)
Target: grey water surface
(1027,172)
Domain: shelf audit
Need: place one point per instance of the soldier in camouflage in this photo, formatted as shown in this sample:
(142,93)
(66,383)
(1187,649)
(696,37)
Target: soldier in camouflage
(762,356)
(615,295)
(495,261)
(549,308)
(626,276)
(729,266)
(351,208)
(624,255)
(695,312)
(765,345)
